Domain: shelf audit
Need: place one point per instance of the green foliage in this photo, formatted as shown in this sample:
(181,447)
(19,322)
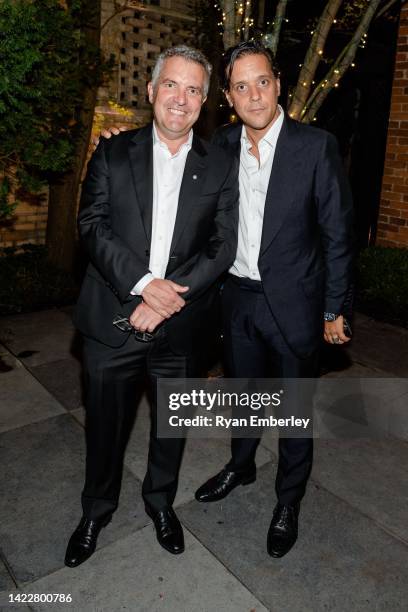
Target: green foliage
(383,284)
(6,207)
(28,281)
(44,67)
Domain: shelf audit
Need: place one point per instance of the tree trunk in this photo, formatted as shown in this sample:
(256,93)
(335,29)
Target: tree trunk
(247,18)
(230,35)
(63,198)
(312,59)
(272,39)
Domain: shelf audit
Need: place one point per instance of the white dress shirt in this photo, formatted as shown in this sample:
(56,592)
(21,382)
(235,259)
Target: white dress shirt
(253,185)
(168,170)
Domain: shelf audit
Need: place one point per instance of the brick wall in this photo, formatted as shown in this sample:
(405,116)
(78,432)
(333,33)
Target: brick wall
(135,37)
(393,214)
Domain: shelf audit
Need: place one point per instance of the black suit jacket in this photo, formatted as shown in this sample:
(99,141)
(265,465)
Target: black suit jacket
(306,255)
(115,224)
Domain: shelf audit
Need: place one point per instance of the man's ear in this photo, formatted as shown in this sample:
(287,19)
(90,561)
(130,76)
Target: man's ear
(278,86)
(150,91)
(229,99)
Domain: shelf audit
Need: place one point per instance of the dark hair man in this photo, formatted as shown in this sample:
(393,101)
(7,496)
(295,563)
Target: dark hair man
(292,271)
(158,219)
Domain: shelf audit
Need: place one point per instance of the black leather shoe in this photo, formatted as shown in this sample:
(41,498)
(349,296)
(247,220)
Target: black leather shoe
(283,530)
(82,543)
(220,485)
(169,531)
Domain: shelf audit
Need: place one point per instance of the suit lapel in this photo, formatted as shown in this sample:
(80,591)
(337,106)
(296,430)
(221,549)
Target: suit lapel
(282,182)
(193,180)
(141,162)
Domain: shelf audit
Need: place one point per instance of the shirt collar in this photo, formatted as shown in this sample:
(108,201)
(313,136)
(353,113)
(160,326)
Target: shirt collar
(271,136)
(158,142)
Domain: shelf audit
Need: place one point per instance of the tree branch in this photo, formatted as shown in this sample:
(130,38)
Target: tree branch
(341,65)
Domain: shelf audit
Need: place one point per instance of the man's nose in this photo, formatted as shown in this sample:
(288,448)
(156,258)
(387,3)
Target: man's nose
(254,92)
(181,96)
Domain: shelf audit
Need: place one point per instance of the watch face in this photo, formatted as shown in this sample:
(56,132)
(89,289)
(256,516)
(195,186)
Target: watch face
(330,316)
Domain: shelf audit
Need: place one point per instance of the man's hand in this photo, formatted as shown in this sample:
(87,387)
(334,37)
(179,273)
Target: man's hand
(107,133)
(163,296)
(144,318)
(334,331)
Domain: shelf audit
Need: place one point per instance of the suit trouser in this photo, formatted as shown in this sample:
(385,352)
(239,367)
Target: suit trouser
(114,380)
(255,348)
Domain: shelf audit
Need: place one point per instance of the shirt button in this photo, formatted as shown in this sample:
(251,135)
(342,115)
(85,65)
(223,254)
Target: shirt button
(252,246)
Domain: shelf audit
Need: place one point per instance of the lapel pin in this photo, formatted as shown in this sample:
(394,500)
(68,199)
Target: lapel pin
(195,177)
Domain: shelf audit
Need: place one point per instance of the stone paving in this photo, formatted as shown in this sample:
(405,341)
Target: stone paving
(352,551)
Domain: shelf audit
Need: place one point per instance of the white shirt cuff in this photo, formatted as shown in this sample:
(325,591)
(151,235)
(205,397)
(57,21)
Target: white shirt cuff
(145,280)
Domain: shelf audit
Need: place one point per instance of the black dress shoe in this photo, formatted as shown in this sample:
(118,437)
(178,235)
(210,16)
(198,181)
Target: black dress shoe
(169,531)
(223,483)
(283,530)
(82,543)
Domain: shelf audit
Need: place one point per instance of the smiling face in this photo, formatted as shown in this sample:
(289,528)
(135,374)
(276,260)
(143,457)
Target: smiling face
(177,97)
(254,92)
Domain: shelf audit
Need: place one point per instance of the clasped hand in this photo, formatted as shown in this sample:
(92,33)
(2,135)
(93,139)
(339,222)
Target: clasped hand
(161,300)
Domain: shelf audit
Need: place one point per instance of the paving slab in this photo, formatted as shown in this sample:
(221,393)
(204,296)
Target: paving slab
(342,560)
(6,582)
(370,475)
(39,337)
(63,379)
(358,407)
(398,418)
(379,345)
(136,574)
(23,400)
(41,481)
(6,606)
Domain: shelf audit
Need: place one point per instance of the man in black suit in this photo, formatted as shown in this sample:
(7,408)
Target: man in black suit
(159,222)
(290,279)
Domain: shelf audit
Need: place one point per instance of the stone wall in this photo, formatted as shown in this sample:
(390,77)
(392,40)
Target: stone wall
(134,37)
(393,215)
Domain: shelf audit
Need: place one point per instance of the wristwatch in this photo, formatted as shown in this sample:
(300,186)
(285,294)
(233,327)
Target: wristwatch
(330,316)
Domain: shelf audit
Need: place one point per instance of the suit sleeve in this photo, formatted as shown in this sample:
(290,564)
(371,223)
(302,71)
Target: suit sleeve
(335,218)
(206,266)
(119,265)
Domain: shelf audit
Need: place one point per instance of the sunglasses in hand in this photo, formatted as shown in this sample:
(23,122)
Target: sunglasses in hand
(124,325)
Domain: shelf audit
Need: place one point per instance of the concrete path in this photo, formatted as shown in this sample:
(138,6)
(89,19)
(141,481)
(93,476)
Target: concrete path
(352,552)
